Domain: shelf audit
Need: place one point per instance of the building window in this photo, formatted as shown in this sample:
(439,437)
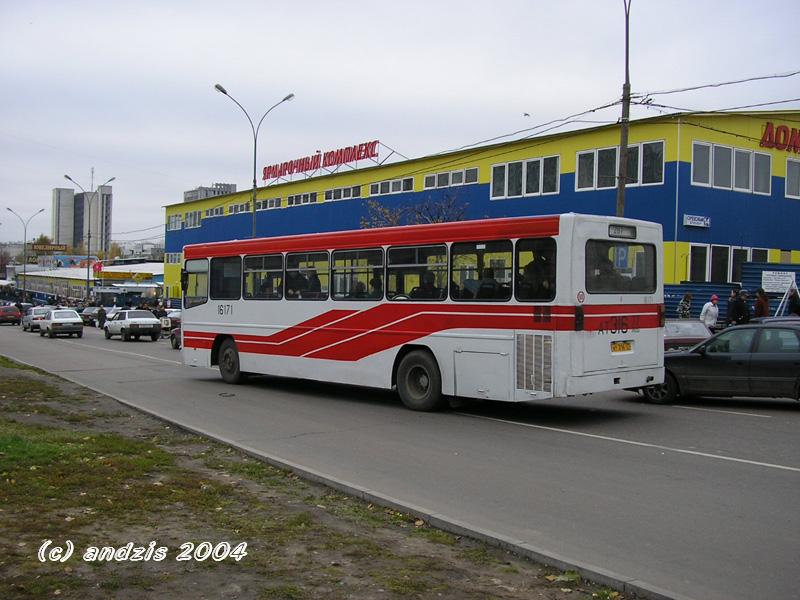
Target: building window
(394,186)
(597,169)
(268,203)
(701,164)
(792,178)
(720,261)
(759,255)
(728,168)
(698,263)
(343,193)
(532,177)
(298,199)
(174,258)
(174,222)
(217,211)
(235,209)
(192,219)
(738,258)
(451,178)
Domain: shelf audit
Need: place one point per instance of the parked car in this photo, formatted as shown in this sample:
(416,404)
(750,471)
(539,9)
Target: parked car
(60,321)
(680,334)
(761,360)
(33,317)
(89,315)
(10,314)
(175,337)
(133,324)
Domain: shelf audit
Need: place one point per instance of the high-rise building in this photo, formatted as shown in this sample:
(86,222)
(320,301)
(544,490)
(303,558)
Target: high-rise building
(74,214)
(200,193)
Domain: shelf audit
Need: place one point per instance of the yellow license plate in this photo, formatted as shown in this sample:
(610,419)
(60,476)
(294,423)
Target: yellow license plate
(621,346)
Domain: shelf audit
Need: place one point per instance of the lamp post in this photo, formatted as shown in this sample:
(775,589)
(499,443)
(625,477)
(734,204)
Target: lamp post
(88,197)
(25,243)
(255,129)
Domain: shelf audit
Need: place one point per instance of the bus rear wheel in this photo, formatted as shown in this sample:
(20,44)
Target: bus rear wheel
(229,363)
(419,382)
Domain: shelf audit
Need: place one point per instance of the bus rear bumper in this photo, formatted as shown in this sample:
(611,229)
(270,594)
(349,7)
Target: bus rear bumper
(614,380)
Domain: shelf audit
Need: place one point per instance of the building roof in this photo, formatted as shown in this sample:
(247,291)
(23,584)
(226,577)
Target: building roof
(155,268)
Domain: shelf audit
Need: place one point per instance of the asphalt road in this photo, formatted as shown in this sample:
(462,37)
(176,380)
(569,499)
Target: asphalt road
(698,500)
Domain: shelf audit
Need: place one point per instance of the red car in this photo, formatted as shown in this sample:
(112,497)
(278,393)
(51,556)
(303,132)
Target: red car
(10,314)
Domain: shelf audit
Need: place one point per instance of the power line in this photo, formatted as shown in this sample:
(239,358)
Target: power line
(716,85)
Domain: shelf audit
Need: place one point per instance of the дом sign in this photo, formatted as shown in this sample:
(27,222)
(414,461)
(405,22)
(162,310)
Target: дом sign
(324,160)
(781,138)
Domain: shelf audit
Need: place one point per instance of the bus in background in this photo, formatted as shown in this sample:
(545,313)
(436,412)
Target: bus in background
(512,309)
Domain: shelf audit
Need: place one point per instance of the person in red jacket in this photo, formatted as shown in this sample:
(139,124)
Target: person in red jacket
(761,308)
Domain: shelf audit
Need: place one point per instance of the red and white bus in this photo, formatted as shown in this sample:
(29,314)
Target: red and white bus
(513,309)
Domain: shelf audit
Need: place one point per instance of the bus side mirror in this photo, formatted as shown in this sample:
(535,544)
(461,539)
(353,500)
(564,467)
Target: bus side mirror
(184,280)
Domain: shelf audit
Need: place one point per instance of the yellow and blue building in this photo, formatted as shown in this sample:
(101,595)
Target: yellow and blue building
(725,187)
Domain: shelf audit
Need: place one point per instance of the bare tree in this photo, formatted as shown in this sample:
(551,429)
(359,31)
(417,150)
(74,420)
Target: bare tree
(429,210)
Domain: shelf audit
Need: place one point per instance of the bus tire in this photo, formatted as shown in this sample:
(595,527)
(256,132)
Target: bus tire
(419,382)
(664,393)
(229,363)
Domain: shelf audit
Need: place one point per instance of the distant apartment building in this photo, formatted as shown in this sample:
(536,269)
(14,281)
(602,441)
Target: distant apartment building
(74,214)
(201,193)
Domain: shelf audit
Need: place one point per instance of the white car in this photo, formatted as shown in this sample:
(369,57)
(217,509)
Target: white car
(61,321)
(133,323)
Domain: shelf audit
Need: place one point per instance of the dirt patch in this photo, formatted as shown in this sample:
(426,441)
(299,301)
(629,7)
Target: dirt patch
(79,466)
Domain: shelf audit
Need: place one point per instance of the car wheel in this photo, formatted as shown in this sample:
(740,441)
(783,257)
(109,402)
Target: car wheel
(41,332)
(107,333)
(136,338)
(419,382)
(79,334)
(155,336)
(126,337)
(24,328)
(229,363)
(174,342)
(664,393)
(50,333)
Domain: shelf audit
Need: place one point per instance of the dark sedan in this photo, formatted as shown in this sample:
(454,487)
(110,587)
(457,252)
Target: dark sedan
(761,360)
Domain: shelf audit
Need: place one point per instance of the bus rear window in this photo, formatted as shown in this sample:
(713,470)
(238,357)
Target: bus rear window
(620,267)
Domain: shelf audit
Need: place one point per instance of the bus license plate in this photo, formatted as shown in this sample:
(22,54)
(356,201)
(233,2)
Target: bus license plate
(626,346)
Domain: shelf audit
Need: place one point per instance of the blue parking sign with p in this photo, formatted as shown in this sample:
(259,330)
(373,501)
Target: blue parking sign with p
(621,257)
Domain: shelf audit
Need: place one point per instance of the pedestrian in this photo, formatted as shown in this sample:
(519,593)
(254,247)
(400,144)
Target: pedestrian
(684,309)
(101,317)
(731,300)
(761,308)
(740,311)
(710,313)
(794,302)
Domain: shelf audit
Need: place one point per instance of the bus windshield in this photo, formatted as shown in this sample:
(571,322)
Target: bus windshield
(620,267)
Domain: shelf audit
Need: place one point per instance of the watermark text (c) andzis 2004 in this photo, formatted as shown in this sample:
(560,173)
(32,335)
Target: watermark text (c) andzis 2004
(48,552)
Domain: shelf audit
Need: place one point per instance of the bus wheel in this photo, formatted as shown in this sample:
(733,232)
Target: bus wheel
(419,382)
(664,393)
(229,363)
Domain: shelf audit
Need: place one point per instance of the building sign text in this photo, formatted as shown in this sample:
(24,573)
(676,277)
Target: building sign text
(332,158)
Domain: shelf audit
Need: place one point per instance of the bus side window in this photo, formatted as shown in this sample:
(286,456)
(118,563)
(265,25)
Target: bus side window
(481,271)
(416,273)
(357,274)
(535,275)
(307,276)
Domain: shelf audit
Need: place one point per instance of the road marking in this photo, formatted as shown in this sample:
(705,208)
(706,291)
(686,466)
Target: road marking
(727,412)
(641,444)
(173,362)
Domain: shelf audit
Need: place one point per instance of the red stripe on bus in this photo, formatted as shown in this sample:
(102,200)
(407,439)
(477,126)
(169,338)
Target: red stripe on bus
(352,335)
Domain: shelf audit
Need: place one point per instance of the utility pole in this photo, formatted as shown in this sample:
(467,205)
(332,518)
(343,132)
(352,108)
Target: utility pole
(622,175)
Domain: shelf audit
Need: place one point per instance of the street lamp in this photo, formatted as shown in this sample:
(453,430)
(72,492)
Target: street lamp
(25,243)
(88,197)
(255,129)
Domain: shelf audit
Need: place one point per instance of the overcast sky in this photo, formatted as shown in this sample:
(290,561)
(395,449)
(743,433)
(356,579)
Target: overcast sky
(127,88)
